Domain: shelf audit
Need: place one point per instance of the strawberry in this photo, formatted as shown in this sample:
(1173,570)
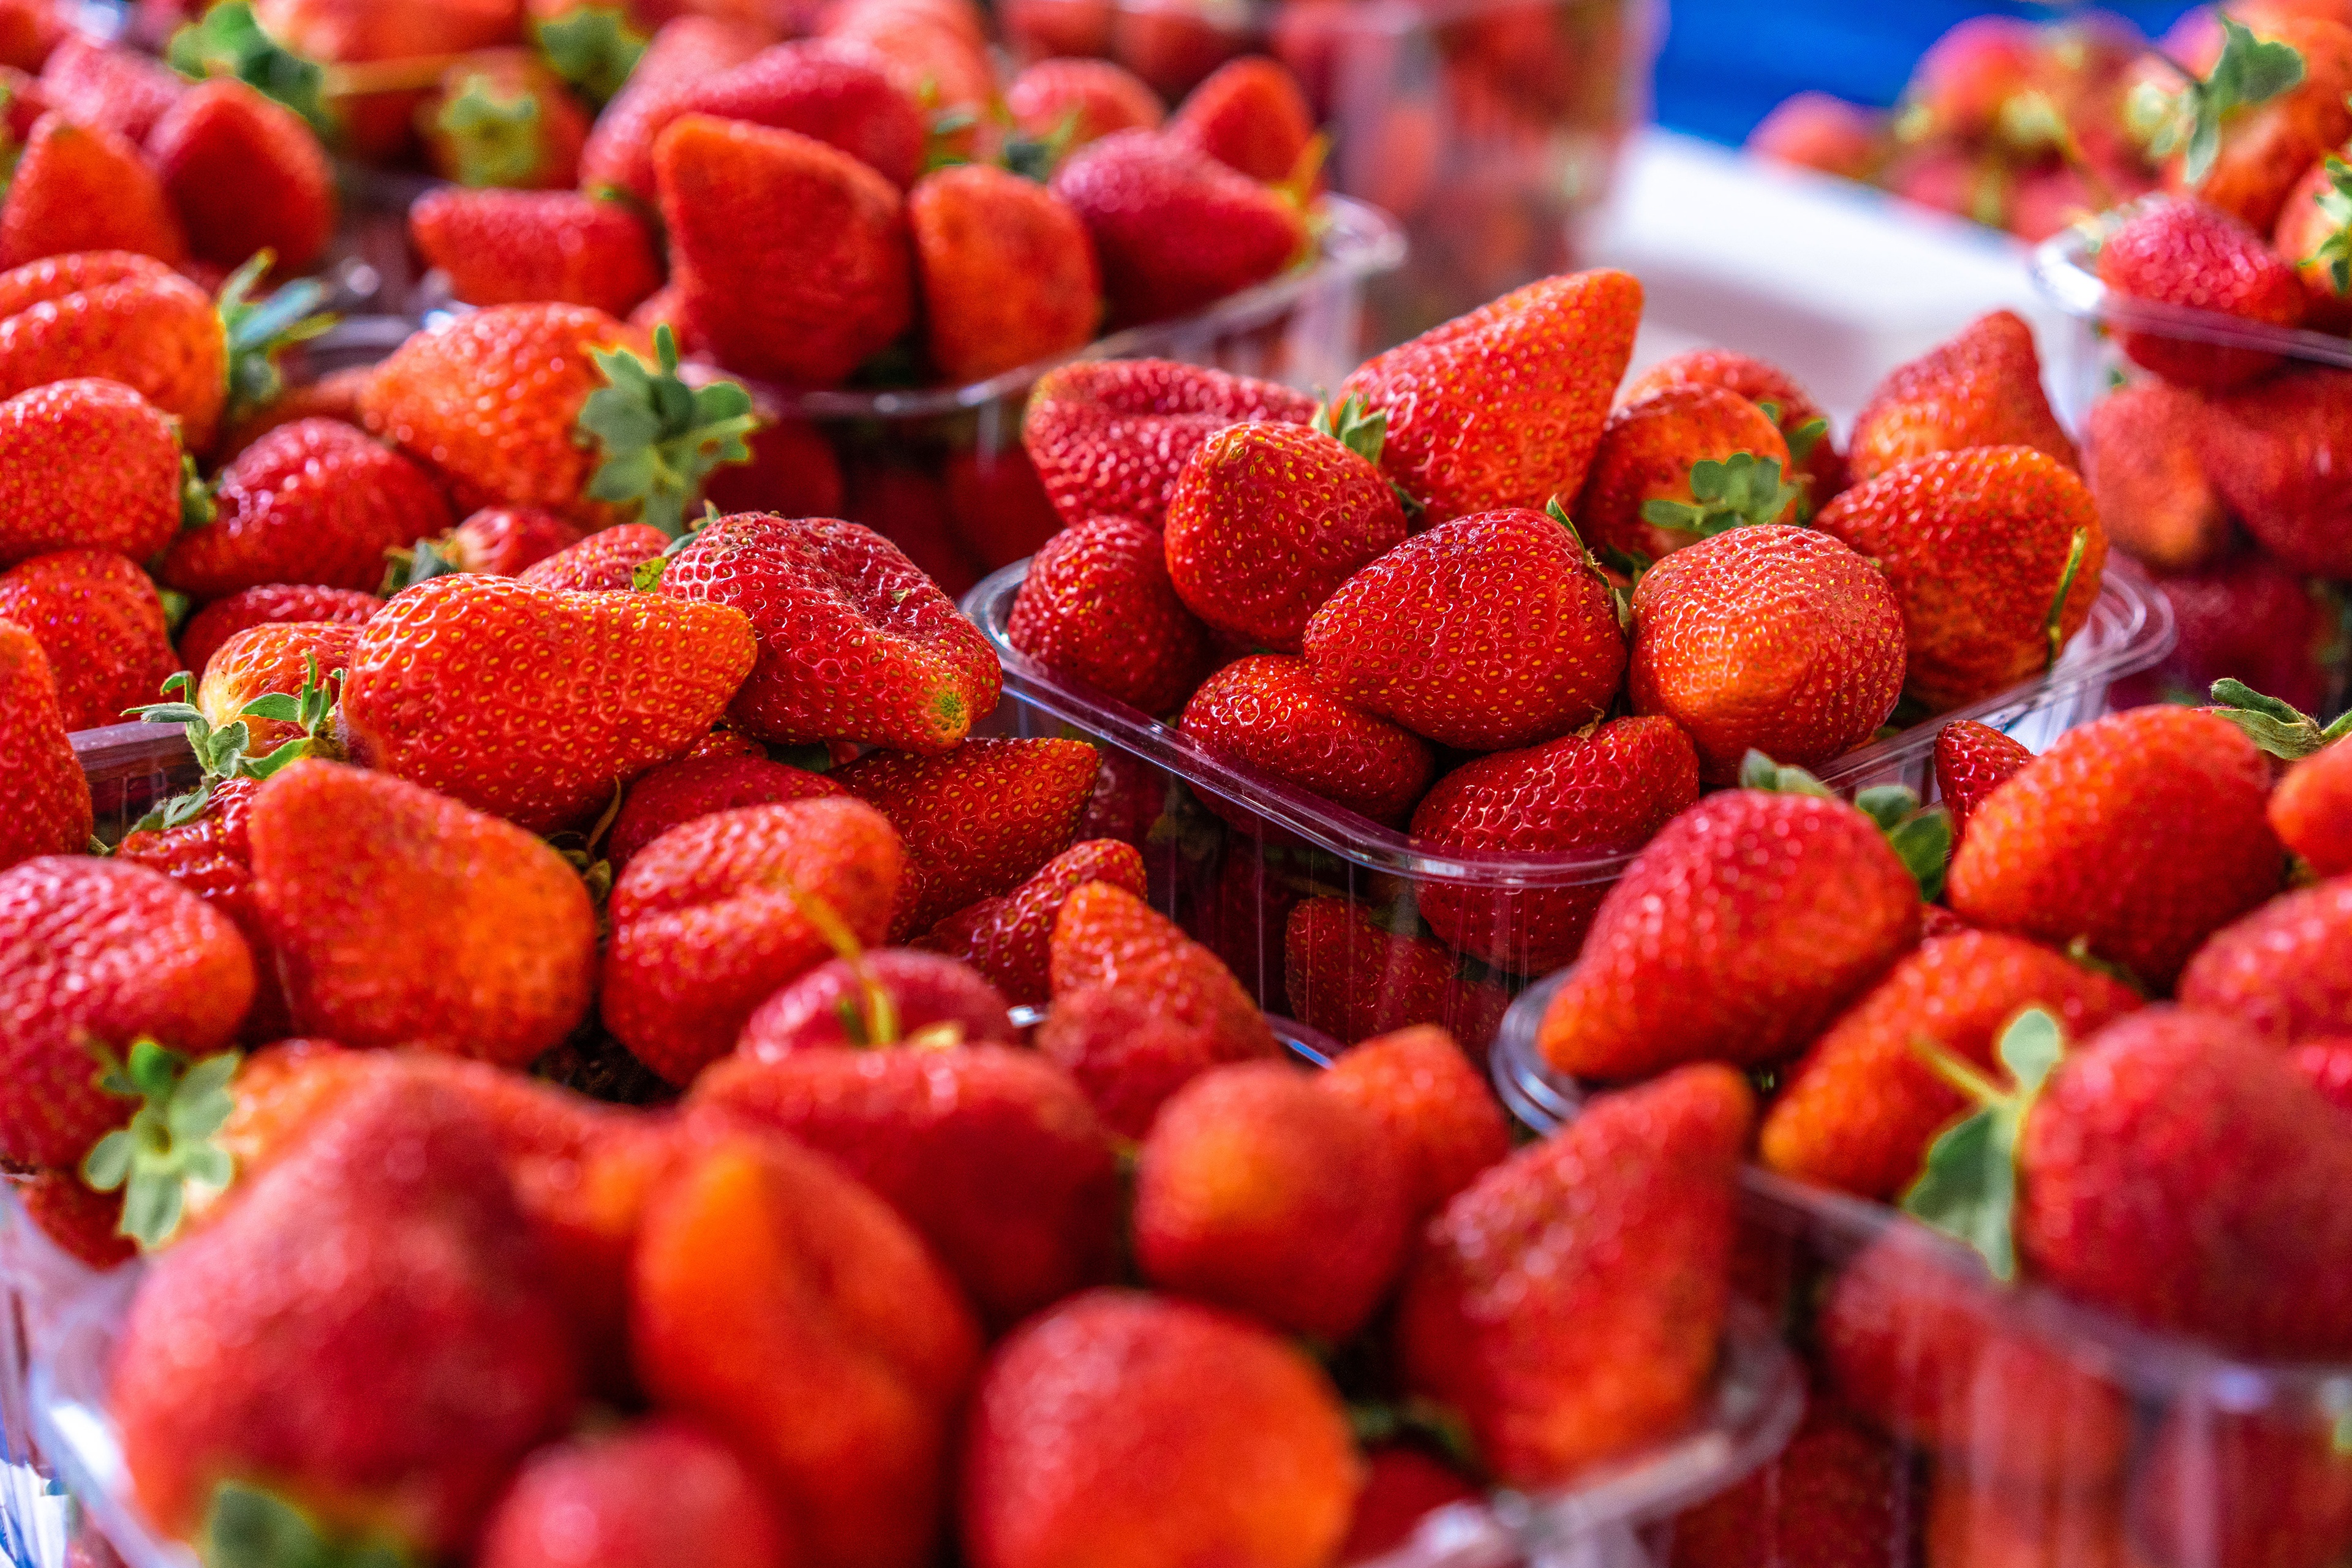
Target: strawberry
(1524,1288)
(87,1227)
(681,792)
(2140,454)
(603,563)
(466,684)
(891,997)
(2329,1064)
(496,541)
(1981,389)
(2311,811)
(1204,1436)
(1066,103)
(1668,471)
(83,188)
(2283,970)
(511,248)
(1350,976)
(715,915)
(381,125)
(125,318)
(1251,115)
(275,657)
(89,465)
(267,604)
(1402,1486)
(1007,937)
(998,505)
(1552,353)
(44,804)
(1604,792)
(2188,255)
(636,1497)
(1486,632)
(2267,110)
(991,1153)
(935,56)
(334,395)
(1419,1085)
(1964,81)
(30,30)
(312,502)
(2141,833)
(790,257)
(100,624)
(1096,604)
(115,89)
(1972,760)
(246,175)
(1007,272)
(1126,1057)
(1266,711)
(2267,448)
(2315,237)
(1173,229)
(978,821)
(1773,638)
(2246,619)
(907,505)
(1802,424)
(501,117)
(1268,521)
(1832,1498)
(684,51)
(854,642)
(1787,907)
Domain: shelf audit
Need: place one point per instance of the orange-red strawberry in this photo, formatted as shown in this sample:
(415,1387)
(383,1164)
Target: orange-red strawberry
(2269,449)
(334,395)
(1173,229)
(790,257)
(1560,1345)
(2250,618)
(44,805)
(315,501)
(267,604)
(126,318)
(1647,467)
(2186,254)
(888,996)
(793,472)
(978,821)
(1552,352)
(710,919)
(2140,454)
(935,55)
(2311,810)
(693,787)
(1972,760)
(84,188)
(1419,1085)
(278,657)
(2241,1488)
(101,624)
(1980,388)
(1108,438)
(1008,937)
(684,51)
(1097,606)
(496,541)
(30,31)
(1783,908)
(501,117)
(211,855)
(1772,639)
(87,1224)
(87,465)
(603,563)
(2141,833)
(1075,101)
(1834,1498)
(2315,237)
(1249,114)
(1268,711)
(908,506)
(659,1490)
(1485,632)
(1180,1433)
(2266,142)
(94,950)
(117,89)
(2284,971)
(1802,424)
(1007,272)
(245,174)
(1353,977)
(512,248)
(1594,794)
(856,644)
(379,126)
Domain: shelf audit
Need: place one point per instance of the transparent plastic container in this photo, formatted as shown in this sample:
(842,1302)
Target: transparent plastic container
(1237,889)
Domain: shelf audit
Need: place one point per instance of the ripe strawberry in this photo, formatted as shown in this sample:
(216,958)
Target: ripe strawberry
(1593,795)
(856,644)
(1180,1432)
(30,30)
(2267,448)
(334,395)
(1485,632)
(2141,833)
(1421,1086)
(468,685)
(1552,353)
(1251,115)
(1008,937)
(1266,711)
(274,657)
(1173,229)
(2140,454)
(977,822)
(1266,521)
(1648,462)
(2311,811)
(496,541)
(380,126)
(1109,437)
(511,248)
(890,996)
(1066,103)
(2329,1064)
(118,90)
(269,604)
(87,464)
(312,502)
(935,56)
(2283,970)
(122,317)
(1788,905)
(44,805)
(1834,1498)
(1008,273)
(2315,237)
(1524,1288)
(908,506)
(1353,977)
(683,51)
(1773,638)
(1972,760)
(502,116)
(100,624)
(710,919)
(603,563)
(1801,422)
(2247,619)
(244,173)
(655,1490)
(2190,255)
(87,1227)
(2266,142)
(683,791)
(1402,1486)
(211,856)
(1981,389)
(1097,606)
(1126,1057)
(83,188)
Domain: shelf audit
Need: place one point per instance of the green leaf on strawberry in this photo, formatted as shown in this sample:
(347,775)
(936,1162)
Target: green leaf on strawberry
(1920,836)
(229,41)
(168,1141)
(660,437)
(247,1527)
(592,47)
(493,132)
(256,329)
(221,754)
(2280,728)
(1968,1187)
(1624,565)
(1740,490)
(2250,71)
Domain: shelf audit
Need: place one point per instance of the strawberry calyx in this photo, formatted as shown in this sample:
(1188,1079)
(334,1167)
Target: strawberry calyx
(2278,727)
(2250,71)
(2334,252)
(583,852)
(228,40)
(221,754)
(660,437)
(1624,563)
(493,132)
(1036,157)
(592,47)
(196,505)
(257,330)
(405,566)
(2053,628)
(1413,1418)
(1968,1185)
(1738,491)
(248,1527)
(2078,953)
(1363,431)
(1920,836)
(167,1144)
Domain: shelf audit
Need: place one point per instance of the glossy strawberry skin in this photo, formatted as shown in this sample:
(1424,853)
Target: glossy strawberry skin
(939,1002)
(1760,382)
(1097,606)
(2284,971)
(2140,452)
(277,656)
(1250,115)
(507,541)
(679,792)
(264,604)
(1485,633)
(44,805)
(1982,388)
(125,318)
(1266,711)
(1008,273)
(88,465)
(84,188)
(1008,937)
(1352,977)
(1646,453)
(1972,760)
(116,89)
(244,173)
(1423,1087)
(2311,810)
(100,624)
(513,247)
(2269,449)
(603,563)
(1173,229)
(631,1498)
(2188,254)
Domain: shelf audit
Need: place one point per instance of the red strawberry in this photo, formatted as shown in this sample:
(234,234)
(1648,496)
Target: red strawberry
(122,317)
(654,1491)
(2284,971)
(1267,712)
(511,248)
(1402,1486)
(502,116)
(978,821)
(1784,907)
(334,395)
(2268,449)
(84,188)
(1108,438)
(101,624)
(855,643)
(1352,977)
(1422,1087)
(1097,606)
(2311,810)
(1070,102)
(685,50)
(2265,143)
(269,603)
(2329,1064)
(1552,352)
(1486,632)
(535,703)
(30,30)
(1593,795)
(1802,424)
(1773,638)
(87,1225)
(999,506)
(211,857)
(1251,115)
(44,805)
(603,563)
(2247,619)
(1832,1498)
(1524,1289)
(682,791)
(314,502)
(2190,255)
(246,175)
(2240,1488)
(1647,467)
(1007,272)
(1008,937)
(116,90)
(908,506)
(1173,229)
(89,465)
(1972,760)
(278,657)
(2140,454)
(496,541)
(1981,389)
(2141,833)
(890,996)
